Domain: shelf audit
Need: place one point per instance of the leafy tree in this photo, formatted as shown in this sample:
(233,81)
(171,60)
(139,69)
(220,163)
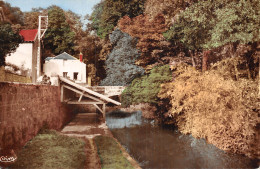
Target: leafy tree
(169,8)
(210,24)
(154,47)
(31,20)
(13,14)
(94,52)
(112,11)
(95,17)
(9,41)
(59,37)
(146,88)
(120,63)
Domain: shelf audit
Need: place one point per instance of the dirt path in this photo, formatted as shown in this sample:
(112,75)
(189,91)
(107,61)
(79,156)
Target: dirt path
(87,126)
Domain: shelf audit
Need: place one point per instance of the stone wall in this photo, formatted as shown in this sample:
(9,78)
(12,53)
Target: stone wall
(25,109)
(10,77)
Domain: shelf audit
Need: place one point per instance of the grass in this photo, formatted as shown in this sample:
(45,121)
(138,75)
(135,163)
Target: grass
(51,150)
(110,154)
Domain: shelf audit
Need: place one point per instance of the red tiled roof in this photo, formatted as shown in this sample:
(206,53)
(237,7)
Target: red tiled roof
(28,35)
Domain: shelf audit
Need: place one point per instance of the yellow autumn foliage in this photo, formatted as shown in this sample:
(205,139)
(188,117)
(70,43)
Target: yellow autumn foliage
(213,106)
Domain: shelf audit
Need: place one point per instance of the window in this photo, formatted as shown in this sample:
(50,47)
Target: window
(65,74)
(75,75)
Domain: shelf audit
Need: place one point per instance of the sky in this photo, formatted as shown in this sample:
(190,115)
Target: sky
(81,7)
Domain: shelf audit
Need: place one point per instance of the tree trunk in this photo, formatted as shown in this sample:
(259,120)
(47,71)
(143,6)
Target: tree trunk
(205,60)
(192,58)
(236,71)
(259,77)
(248,71)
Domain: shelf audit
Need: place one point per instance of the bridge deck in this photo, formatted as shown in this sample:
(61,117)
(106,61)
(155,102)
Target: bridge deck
(87,96)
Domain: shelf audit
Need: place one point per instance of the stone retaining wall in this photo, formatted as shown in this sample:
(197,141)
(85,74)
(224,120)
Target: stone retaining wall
(25,109)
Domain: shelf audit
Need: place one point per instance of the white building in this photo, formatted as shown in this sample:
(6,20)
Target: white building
(67,66)
(25,55)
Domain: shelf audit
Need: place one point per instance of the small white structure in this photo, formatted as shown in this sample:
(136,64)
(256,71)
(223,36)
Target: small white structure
(65,65)
(25,55)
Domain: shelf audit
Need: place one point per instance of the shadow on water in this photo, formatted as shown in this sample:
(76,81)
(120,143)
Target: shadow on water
(157,147)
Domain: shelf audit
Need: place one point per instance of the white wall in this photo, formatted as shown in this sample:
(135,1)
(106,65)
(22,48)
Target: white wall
(22,56)
(58,66)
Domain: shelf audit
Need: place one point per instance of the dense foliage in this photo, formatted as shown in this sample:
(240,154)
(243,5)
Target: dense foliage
(145,89)
(107,13)
(153,46)
(59,37)
(214,106)
(13,15)
(210,24)
(120,63)
(9,41)
(169,8)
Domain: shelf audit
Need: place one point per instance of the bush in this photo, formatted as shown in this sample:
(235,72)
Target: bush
(145,89)
(217,108)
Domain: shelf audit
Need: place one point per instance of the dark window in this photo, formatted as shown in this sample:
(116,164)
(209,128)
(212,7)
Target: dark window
(75,75)
(65,74)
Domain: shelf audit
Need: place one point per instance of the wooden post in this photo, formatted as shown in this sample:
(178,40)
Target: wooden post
(81,96)
(104,110)
(89,80)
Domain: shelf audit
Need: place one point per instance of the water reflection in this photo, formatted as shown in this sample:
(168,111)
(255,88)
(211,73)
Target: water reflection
(117,120)
(156,147)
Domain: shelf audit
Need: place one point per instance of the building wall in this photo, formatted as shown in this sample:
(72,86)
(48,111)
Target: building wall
(58,66)
(22,57)
(25,109)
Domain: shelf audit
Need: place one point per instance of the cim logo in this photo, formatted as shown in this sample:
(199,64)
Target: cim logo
(7,159)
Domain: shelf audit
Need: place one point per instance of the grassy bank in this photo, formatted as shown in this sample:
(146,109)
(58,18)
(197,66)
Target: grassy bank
(51,150)
(110,154)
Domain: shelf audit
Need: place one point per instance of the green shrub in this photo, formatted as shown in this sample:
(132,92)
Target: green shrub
(145,89)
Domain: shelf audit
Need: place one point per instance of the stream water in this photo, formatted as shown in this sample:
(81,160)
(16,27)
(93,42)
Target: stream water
(156,147)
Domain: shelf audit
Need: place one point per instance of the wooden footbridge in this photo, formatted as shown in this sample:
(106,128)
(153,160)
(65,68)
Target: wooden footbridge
(88,95)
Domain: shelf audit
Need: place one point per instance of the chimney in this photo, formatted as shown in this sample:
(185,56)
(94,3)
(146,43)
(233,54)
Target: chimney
(81,57)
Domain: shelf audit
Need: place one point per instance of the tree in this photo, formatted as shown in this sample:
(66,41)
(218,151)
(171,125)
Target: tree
(120,63)
(59,37)
(13,14)
(9,41)
(146,88)
(94,52)
(95,18)
(153,46)
(209,24)
(31,20)
(169,8)
(112,10)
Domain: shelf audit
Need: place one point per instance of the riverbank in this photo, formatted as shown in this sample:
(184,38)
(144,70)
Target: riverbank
(50,149)
(88,126)
(77,139)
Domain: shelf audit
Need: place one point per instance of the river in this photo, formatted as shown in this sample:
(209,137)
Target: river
(154,146)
